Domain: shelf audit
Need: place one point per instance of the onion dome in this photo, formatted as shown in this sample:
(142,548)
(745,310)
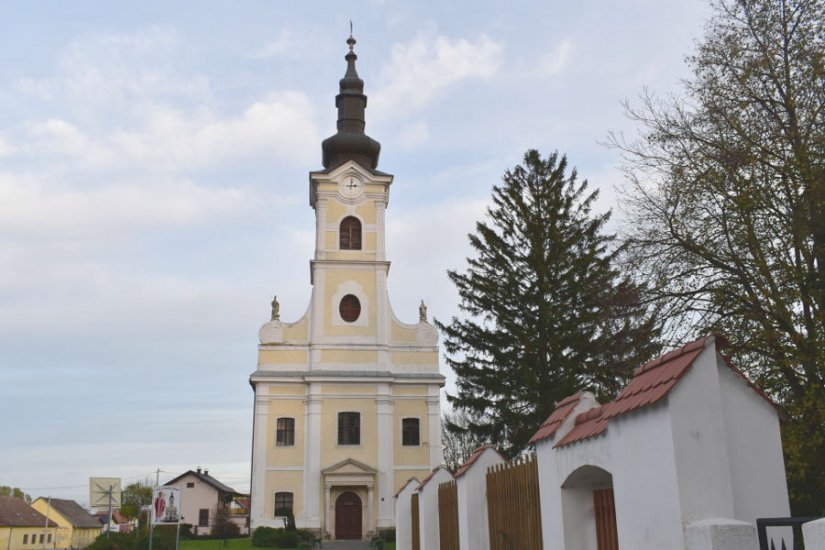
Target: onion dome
(350,142)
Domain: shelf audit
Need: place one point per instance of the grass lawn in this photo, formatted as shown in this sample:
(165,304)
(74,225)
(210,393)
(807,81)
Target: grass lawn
(234,544)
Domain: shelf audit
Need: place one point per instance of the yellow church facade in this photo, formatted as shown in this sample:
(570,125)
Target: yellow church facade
(346,397)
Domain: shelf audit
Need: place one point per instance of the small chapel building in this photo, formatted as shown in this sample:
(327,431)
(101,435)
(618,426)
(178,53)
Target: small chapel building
(346,397)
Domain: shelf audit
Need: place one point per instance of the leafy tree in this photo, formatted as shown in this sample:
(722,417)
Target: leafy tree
(134,496)
(727,201)
(457,440)
(547,313)
(6,491)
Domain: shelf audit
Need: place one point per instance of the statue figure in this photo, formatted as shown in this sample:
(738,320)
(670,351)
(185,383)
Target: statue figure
(276,309)
(422,312)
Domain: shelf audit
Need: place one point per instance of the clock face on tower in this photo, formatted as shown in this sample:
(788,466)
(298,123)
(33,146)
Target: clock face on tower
(351,186)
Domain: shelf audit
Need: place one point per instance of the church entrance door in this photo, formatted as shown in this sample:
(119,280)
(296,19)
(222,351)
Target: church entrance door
(348,516)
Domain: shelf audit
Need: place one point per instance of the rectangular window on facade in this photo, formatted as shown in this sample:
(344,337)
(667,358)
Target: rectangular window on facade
(42,538)
(25,539)
(285,432)
(203,517)
(349,428)
(410,432)
(50,538)
(283,504)
(190,484)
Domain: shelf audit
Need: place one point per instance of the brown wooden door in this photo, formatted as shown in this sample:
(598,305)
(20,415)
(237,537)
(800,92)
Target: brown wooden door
(348,516)
(607,537)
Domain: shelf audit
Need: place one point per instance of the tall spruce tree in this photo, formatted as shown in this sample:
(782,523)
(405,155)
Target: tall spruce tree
(546,312)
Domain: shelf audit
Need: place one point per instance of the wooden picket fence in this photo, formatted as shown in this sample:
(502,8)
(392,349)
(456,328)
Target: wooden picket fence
(416,535)
(514,505)
(448,515)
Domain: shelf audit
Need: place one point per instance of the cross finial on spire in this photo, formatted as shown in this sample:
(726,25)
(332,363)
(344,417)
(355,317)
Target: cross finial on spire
(351,39)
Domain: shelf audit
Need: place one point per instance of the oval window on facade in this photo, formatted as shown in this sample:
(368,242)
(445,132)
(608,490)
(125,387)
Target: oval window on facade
(350,308)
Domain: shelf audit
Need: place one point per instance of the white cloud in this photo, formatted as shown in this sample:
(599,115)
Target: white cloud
(556,61)
(30,206)
(418,70)
(6,149)
(280,126)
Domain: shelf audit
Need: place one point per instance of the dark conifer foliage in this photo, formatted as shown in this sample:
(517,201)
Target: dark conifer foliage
(546,311)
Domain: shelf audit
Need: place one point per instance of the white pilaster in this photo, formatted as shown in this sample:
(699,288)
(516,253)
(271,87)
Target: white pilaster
(371,508)
(259,450)
(312,458)
(434,416)
(385,456)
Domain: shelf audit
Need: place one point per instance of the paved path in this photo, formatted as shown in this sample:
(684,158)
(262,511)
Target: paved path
(347,545)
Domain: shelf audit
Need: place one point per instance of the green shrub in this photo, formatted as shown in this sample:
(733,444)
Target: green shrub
(387,534)
(264,537)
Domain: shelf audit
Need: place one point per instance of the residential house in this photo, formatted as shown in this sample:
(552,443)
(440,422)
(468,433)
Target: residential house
(24,528)
(204,500)
(77,528)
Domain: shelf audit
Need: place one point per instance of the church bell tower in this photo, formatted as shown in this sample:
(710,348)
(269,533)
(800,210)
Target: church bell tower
(346,397)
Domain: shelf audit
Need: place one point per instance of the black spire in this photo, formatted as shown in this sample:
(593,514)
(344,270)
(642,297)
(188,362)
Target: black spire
(351,143)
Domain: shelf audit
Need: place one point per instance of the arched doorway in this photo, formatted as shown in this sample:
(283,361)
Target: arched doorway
(348,516)
(588,509)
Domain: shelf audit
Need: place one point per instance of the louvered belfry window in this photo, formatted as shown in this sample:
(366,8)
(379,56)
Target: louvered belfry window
(349,236)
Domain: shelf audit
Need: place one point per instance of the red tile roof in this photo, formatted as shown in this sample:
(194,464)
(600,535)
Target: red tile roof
(588,424)
(431,474)
(650,383)
(560,413)
(655,379)
(473,458)
(411,480)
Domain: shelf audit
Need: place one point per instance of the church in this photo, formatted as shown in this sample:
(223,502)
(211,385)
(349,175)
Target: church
(346,403)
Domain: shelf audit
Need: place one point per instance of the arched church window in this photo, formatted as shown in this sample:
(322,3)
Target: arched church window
(349,235)
(349,308)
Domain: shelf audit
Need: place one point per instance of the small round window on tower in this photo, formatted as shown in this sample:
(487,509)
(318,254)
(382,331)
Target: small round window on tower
(350,308)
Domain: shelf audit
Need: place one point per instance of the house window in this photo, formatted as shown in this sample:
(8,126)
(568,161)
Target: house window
(203,517)
(285,432)
(349,235)
(25,539)
(190,484)
(410,432)
(283,504)
(50,538)
(42,538)
(349,428)
(350,308)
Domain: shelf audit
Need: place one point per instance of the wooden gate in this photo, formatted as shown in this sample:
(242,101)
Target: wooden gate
(607,538)
(514,506)
(448,515)
(416,530)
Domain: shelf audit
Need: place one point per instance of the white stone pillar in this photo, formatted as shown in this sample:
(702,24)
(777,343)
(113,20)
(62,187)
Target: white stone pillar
(434,421)
(386,471)
(814,534)
(327,511)
(370,509)
(257,513)
(721,534)
(312,458)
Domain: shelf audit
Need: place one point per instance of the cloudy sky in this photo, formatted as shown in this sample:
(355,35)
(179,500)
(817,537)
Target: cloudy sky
(154,192)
